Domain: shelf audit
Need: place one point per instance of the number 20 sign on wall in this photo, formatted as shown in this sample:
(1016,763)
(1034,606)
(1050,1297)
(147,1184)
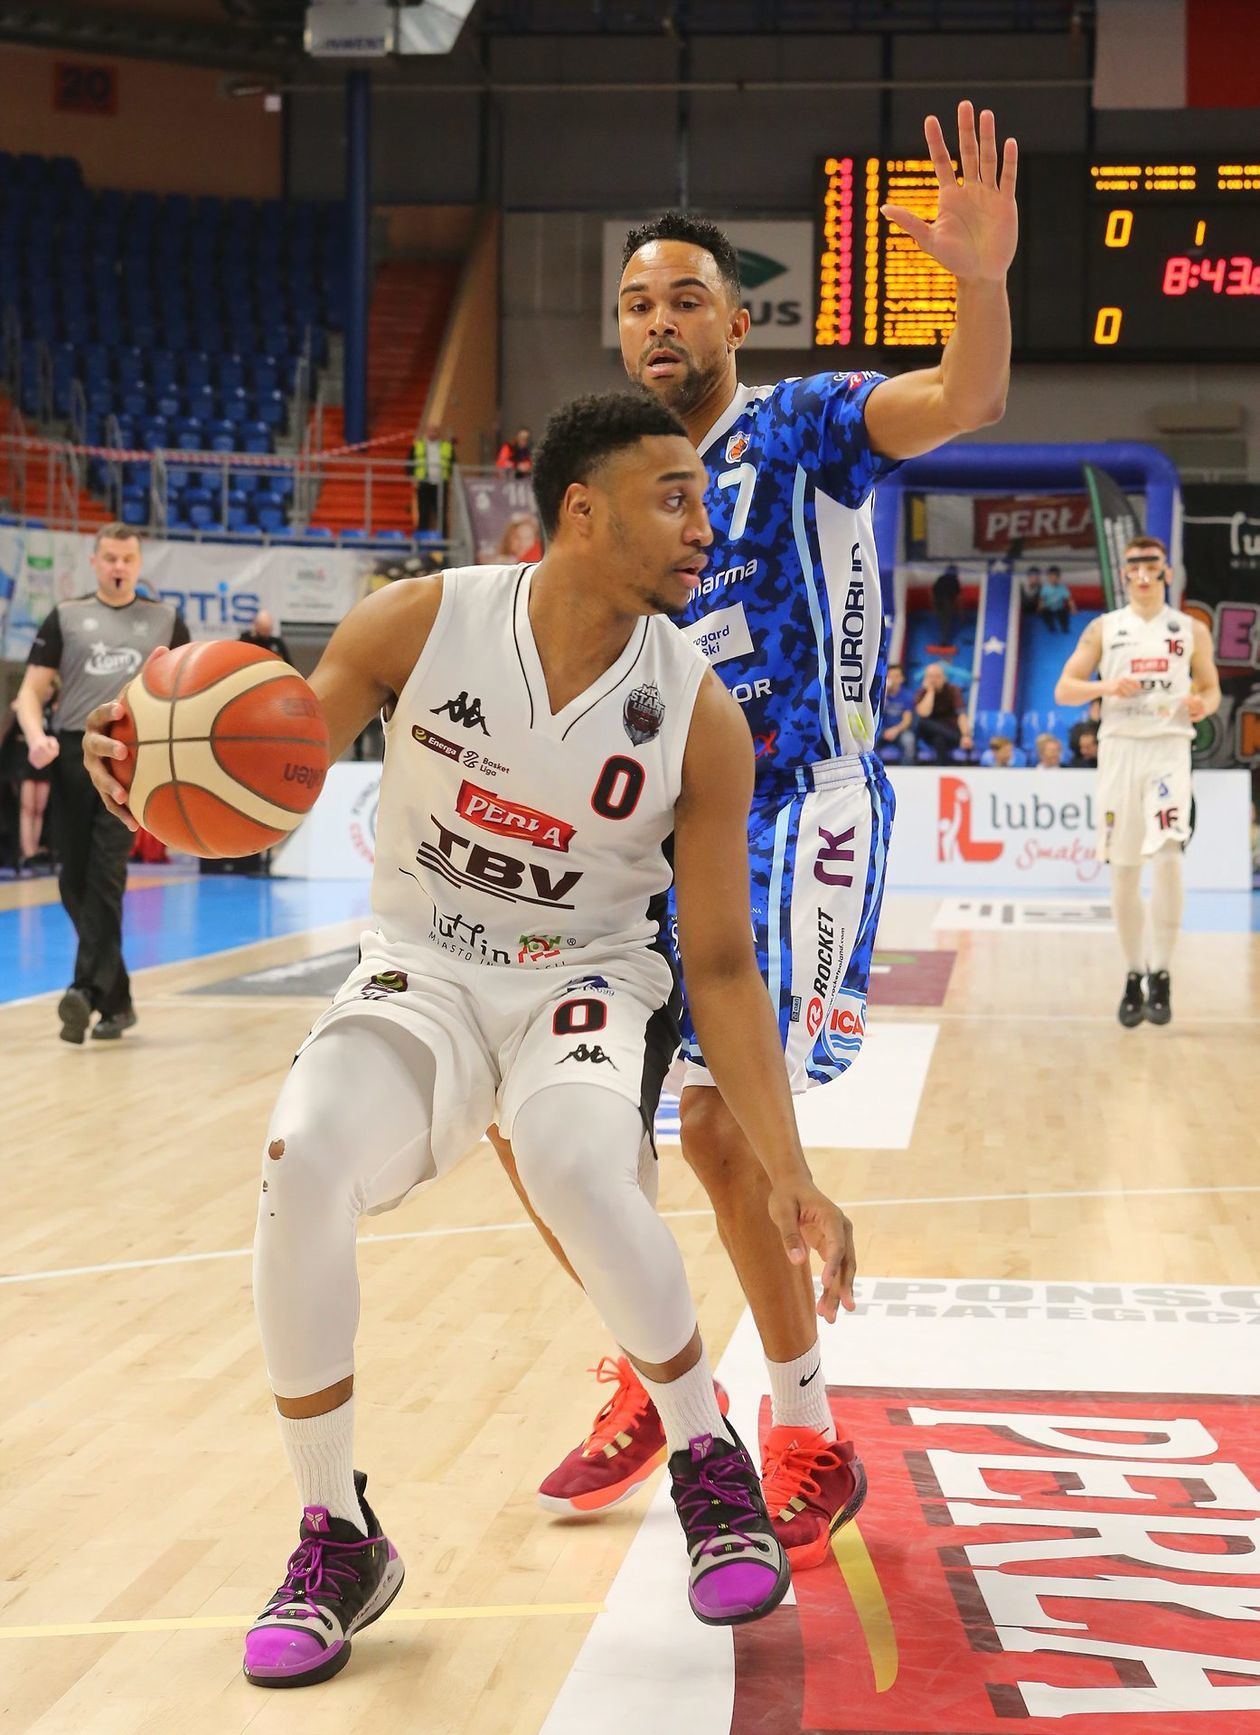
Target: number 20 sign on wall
(83,87)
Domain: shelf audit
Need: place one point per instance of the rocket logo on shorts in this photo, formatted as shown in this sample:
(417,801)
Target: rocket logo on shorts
(643,714)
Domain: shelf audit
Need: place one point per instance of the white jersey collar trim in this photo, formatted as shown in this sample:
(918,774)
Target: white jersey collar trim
(733,411)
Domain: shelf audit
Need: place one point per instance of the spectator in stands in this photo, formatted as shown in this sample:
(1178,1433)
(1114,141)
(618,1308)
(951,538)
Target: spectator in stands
(1000,752)
(941,715)
(1055,604)
(896,730)
(945,594)
(32,784)
(1084,747)
(432,461)
(1049,752)
(517,455)
(262,634)
(1089,721)
(92,645)
(1030,591)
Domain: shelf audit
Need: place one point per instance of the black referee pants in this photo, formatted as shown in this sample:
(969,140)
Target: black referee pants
(93,847)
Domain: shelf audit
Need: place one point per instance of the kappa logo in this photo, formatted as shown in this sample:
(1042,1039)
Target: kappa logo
(461,709)
(1037,1562)
(512,819)
(594,1054)
(643,714)
(736,446)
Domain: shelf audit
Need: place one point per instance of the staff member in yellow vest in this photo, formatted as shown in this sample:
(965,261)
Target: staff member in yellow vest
(432,461)
(92,645)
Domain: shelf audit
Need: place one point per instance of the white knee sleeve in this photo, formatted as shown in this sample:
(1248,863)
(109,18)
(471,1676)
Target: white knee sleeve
(1126,908)
(1167,900)
(578,1154)
(349,1133)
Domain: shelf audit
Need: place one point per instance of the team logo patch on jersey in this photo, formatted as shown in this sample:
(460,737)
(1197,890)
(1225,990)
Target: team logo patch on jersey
(383,984)
(736,446)
(535,948)
(643,714)
(511,819)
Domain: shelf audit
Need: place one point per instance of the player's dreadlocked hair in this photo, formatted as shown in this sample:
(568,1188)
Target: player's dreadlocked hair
(696,232)
(580,435)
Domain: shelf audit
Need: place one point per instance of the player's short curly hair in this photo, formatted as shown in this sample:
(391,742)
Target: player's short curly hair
(696,232)
(580,435)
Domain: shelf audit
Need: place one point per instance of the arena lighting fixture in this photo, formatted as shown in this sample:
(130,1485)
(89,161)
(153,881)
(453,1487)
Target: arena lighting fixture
(371,29)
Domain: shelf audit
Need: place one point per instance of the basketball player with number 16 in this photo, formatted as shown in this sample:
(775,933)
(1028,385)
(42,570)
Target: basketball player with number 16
(1156,679)
(553,744)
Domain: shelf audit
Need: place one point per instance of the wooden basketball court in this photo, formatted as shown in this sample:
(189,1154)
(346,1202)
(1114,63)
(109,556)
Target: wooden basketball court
(148,1509)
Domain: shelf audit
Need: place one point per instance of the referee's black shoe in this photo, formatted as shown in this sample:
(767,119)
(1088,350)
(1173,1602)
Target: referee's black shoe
(1132,1008)
(109,1029)
(1158,998)
(75,1012)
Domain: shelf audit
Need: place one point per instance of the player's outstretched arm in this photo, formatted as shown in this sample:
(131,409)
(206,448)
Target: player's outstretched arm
(973,235)
(729,1004)
(364,665)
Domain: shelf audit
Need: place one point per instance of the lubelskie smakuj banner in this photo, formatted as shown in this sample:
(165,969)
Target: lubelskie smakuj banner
(1115,526)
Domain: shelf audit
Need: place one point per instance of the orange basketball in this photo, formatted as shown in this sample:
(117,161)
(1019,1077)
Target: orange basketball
(229,748)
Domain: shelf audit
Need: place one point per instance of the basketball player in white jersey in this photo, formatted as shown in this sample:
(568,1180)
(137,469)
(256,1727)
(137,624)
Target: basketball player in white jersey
(552,743)
(1153,668)
(790,613)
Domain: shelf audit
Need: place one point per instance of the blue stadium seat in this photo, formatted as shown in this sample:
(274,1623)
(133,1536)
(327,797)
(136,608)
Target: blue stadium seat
(989,723)
(135,509)
(269,518)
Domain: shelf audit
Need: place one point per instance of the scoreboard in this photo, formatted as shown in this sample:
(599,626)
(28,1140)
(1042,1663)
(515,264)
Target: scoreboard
(1140,257)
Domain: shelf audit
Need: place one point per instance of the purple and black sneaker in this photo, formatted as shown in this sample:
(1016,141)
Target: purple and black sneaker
(337,1582)
(739,1571)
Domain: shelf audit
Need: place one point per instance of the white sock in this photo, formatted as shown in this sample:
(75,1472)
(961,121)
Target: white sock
(688,1406)
(1130,918)
(321,1457)
(1167,900)
(798,1393)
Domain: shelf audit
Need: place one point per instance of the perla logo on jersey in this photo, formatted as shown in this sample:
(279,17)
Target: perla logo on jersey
(723,633)
(511,819)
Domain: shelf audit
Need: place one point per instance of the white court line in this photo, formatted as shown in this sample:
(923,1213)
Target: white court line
(699,1211)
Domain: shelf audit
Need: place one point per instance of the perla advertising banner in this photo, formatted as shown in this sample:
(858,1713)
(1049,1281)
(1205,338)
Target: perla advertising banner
(776,264)
(218,586)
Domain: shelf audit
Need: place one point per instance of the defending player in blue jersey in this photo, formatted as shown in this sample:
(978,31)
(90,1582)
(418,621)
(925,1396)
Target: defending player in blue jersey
(790,613)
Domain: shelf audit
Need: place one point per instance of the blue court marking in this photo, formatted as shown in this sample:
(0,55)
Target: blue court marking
(169,924)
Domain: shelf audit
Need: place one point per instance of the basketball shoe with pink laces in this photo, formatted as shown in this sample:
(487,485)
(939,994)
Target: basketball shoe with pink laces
(625,1444)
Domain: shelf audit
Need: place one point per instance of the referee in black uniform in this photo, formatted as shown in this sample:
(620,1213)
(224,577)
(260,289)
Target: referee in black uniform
(89,648)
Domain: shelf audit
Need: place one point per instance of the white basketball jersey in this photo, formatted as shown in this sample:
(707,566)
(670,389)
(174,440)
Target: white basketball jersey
(1157,653)
(506,835)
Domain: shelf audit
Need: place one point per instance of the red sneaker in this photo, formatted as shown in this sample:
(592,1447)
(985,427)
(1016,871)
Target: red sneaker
(625,1445)
(812,1486)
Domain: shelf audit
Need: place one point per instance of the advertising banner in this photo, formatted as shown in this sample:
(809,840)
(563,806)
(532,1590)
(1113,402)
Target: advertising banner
(1221,546)
(1115,526)
(337,839)
(958,827)
(503,517)
(219,586)
(776,267)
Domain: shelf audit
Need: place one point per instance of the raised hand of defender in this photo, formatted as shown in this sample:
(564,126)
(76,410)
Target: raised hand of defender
(977,223)
(806,1217)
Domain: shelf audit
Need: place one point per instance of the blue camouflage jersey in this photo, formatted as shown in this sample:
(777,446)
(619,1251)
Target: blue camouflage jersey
(789,609)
